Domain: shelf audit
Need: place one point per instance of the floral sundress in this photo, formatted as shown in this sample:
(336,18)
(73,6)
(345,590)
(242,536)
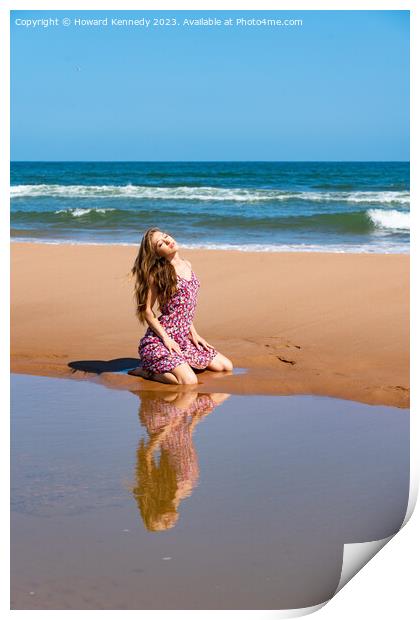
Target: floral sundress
(176,317)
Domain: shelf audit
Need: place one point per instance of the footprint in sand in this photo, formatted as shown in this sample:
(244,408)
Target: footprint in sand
(283,345)
(283,359)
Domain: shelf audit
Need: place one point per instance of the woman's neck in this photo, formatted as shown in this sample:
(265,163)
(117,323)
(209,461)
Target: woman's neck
(175,259)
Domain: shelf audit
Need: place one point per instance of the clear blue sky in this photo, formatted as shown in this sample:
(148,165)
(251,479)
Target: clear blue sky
(336,88)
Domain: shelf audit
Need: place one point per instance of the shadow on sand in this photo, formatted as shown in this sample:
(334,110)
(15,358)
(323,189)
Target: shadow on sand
(119,364)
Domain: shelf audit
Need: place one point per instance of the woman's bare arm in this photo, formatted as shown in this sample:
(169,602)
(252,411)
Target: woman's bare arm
(193,331)
(150,316)
(154,324)
(197,339)
(195,336)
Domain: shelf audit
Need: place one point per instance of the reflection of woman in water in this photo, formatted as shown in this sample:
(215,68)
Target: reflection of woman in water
(160,486)
(171,347)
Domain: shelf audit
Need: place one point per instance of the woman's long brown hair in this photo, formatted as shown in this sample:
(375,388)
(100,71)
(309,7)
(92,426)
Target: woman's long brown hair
(149,266)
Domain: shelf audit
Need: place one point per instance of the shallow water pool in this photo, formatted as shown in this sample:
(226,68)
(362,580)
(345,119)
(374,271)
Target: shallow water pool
(194,501)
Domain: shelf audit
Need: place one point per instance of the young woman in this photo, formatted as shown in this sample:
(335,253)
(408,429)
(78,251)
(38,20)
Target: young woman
(171,347)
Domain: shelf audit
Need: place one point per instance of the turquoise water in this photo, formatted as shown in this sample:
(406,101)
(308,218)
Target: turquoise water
(124,500)
(267,206)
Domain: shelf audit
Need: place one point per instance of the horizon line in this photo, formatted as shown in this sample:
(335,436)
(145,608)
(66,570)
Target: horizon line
(212,161)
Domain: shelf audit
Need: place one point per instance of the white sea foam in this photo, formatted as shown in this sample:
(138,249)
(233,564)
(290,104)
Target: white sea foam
(80,212)
(382,197)
(357,197)
(392,219)
(371,248)
(205,193)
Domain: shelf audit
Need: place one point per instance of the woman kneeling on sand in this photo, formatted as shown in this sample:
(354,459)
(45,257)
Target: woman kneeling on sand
(171,347)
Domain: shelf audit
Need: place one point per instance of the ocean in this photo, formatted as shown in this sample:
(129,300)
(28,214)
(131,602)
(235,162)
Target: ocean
(248,206)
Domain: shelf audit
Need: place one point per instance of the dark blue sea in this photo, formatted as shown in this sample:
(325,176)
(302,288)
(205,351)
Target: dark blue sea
(263,206)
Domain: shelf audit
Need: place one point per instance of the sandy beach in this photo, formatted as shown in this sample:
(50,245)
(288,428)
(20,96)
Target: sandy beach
(300,323)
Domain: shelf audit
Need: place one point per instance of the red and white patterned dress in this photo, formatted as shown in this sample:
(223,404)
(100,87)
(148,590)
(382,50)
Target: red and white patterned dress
(176,317)
(156,415)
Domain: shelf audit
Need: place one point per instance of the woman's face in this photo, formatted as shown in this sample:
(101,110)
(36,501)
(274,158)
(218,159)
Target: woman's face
(163,244)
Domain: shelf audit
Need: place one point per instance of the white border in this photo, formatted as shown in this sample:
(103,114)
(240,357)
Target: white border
(386,585)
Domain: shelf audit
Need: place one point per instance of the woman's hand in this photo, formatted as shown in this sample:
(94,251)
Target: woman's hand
(172,345)
(197,340)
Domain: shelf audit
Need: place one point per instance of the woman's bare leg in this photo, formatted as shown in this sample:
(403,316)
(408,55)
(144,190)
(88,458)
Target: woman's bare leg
(165,377)
(220,363)
(185,374)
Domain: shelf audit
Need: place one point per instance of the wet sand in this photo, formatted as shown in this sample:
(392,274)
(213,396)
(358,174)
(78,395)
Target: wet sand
(301,323)
(194,501)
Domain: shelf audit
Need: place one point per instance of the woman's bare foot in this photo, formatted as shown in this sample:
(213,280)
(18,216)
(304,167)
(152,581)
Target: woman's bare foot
(140,372)
(166,377)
